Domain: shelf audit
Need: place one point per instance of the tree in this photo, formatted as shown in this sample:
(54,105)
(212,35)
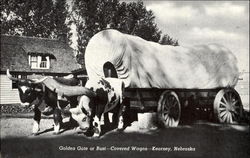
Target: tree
(13,15)
(60,22)
(84,17)
(91,17)
(28,18)
(141,22)
(167,40)
(131,18)
(37,18)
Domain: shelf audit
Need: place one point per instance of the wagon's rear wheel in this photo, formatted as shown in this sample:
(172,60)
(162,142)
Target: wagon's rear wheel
(228,106)
(169,109)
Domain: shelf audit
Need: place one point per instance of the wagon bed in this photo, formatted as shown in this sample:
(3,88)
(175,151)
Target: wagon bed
(223,103)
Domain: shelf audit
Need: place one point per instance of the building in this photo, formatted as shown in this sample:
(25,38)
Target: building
(31,57)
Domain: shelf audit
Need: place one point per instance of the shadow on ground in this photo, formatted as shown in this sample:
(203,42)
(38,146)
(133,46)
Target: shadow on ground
(209,140)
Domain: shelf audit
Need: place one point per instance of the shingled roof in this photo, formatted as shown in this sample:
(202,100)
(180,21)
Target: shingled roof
(15,51)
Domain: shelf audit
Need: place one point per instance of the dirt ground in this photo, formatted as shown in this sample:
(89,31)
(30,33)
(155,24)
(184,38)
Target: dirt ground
(199,139)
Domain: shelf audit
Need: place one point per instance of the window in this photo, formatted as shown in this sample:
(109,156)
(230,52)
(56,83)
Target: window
(39,62)
(34,61)
(43,63)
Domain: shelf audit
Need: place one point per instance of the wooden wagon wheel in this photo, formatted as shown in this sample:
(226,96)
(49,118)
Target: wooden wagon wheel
(169,109)
(228,106)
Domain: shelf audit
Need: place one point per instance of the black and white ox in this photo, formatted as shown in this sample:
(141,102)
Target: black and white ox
(93,109)
(56,93)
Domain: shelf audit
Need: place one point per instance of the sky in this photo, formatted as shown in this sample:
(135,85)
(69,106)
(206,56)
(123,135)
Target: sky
(203,22)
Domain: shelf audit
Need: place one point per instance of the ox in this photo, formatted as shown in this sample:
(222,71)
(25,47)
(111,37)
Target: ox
(34,92)
(92,110)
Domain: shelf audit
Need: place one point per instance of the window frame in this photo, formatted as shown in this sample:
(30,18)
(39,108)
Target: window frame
(40,62)
(32,57)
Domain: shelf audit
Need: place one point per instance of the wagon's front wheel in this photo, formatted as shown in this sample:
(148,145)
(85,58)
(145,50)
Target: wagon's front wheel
(169,109)
(228,106)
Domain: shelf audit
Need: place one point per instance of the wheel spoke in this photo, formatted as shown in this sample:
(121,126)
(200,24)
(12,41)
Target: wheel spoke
(223,104)
(174,104)
(164,108)
(166,117)
(230,118)
(170,101)
(222,109)
(174,122)
(235,102)
(234,117)
(167,102)
(236,107)
(167,121)
(164,101)
(230,97)
(173,101)
(225,100)
(233,97)
(237,114)
(224,117)
(171,122)
(227,117)
(226,96)
(165,111)
(223,113)
(164,104)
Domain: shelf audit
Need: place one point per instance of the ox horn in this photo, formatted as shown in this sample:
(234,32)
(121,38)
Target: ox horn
(10,76)
(66,90)
(74,91)
(38,80)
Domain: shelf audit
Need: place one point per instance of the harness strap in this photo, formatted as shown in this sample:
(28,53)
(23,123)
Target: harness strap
(85,112)
(43,91)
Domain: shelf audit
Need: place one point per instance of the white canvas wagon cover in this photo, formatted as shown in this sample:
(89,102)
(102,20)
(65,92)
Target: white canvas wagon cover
(143,64)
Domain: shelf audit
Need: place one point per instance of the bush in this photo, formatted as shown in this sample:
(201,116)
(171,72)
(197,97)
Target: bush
(14,108)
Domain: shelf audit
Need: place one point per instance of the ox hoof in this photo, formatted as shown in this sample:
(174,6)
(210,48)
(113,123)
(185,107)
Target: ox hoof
(35,134)
(97,133)
(89,133)
(56,133)
(78,130)
(56,129)
(35,128)
(119,129)
(120,124)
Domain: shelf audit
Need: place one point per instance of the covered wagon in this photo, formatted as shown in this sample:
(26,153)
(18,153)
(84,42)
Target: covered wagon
(166,79)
